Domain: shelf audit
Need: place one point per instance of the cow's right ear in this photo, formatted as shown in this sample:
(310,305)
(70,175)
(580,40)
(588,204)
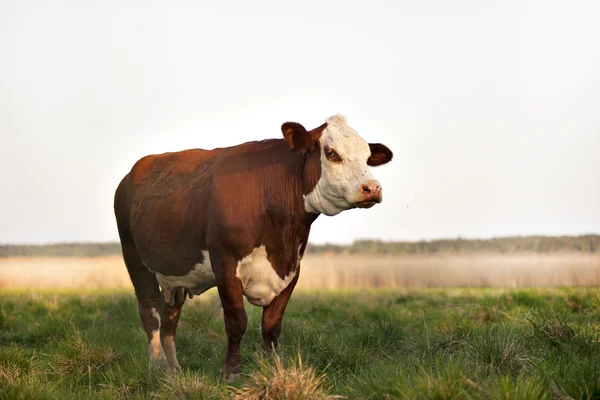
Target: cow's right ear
(298,138)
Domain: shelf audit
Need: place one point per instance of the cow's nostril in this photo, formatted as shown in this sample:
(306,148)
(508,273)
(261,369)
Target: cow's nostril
(366,189)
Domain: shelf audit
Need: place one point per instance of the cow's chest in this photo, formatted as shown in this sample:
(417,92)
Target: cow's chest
(260,283)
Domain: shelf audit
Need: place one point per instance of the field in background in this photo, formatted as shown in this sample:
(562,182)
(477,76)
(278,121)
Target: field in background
(371,344)
(338,271)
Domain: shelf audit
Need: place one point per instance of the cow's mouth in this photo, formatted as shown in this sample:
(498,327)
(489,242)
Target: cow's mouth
(366,204)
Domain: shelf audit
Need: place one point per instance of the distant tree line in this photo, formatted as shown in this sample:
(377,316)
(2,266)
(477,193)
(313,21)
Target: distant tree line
(504,245)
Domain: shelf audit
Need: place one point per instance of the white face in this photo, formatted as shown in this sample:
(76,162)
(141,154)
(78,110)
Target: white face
(344,170)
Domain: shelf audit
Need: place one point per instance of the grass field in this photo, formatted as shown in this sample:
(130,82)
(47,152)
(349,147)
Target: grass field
(379,344)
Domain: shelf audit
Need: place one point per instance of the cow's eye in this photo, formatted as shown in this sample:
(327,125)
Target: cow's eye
(332,155)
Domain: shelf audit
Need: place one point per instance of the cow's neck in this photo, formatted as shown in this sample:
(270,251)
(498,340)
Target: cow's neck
(311,173)
(300,173)
(287,176)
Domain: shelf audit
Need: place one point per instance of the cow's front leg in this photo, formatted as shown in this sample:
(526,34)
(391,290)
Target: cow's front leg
(231,294)
(273,315)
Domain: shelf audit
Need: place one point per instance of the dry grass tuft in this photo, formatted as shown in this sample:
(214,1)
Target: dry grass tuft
(190,385)
(274,382)
(15,363)
(10,376)
(559,332)
(553,330)
(80,358)
(115,391)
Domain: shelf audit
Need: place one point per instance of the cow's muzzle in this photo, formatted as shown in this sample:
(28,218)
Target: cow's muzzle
(370,194)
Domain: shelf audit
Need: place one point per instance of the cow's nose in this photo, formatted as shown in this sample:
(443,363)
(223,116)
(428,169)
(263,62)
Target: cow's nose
(370,187)
(370,192)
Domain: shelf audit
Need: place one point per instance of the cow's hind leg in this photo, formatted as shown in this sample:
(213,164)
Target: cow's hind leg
(150,302)
(168,327)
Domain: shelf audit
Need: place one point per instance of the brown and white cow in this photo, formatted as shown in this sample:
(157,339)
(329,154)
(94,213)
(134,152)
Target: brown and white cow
(237,218)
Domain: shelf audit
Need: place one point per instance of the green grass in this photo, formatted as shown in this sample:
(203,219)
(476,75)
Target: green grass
(434,344)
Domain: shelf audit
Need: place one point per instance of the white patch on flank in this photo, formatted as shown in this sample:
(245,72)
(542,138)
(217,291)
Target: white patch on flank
(338,189)
(198,280)
(155,351)
(260,282)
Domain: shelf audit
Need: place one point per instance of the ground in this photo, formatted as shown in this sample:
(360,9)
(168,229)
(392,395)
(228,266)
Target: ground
(376,344)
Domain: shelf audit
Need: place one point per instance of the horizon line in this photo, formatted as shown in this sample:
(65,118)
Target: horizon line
(438,239)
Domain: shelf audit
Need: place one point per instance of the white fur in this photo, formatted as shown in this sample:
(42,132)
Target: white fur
(155,351)
(338,189)
(156,315)
(260,282)
(198,280)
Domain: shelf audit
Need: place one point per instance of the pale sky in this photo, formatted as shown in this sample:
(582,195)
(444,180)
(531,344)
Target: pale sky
(492,108)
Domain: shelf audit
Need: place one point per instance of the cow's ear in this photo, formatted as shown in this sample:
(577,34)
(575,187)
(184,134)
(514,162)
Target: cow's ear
(298,138)
(380,154)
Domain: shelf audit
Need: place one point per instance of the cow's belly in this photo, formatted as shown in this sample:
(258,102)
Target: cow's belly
(198,280)
(260,282)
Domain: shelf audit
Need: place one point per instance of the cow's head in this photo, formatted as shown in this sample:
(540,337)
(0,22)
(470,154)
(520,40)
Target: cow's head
(346,181)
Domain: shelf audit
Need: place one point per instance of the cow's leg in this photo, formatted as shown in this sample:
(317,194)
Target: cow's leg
(150,301)
(150,317)
(273,315)
(168,327)
(236,320)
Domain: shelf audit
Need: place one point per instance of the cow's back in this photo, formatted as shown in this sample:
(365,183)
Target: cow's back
(158,206)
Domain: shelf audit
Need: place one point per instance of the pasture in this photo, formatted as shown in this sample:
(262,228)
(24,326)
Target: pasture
(401,340)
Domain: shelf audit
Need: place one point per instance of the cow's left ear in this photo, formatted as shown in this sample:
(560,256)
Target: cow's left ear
(380,154)
(298,138)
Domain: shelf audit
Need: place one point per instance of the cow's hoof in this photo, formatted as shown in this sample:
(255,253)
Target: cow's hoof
(232,377)
(158,366)
(269,350)
(231,373)
(175,370)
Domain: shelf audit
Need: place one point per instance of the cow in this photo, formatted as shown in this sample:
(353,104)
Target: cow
(237,218)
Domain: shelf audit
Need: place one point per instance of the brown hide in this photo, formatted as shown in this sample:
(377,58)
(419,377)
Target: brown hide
(228,199)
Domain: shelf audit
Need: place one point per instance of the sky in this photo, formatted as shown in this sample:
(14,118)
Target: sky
(492,109)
